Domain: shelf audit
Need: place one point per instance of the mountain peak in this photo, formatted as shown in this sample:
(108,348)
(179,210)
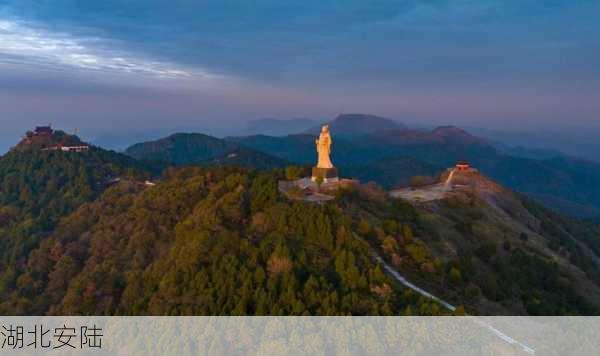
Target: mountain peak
(358,124)
(360,119)
(44,138)
(453,133)
(179,148)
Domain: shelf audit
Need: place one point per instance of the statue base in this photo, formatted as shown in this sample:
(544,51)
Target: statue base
(327,174)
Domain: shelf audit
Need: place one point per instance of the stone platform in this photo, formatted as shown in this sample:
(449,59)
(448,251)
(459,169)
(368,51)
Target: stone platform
(308,190)
(327,174)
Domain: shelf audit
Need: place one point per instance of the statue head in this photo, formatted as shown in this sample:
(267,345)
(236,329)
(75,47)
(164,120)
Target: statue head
(325,129)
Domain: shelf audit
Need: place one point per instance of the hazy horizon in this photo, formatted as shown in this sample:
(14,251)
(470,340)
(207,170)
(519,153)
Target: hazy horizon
(125,68)
(572,141)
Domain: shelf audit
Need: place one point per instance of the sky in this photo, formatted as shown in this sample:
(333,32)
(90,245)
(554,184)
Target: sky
(126,66)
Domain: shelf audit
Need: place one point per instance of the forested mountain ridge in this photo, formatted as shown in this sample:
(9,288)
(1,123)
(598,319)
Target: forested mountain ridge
(38,188)
(223,241)
(513,256)
(193,148)
(217,241)
(181,148)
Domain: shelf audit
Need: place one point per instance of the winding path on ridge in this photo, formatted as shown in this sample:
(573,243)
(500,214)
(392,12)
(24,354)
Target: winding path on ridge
(402,280)
(398,277)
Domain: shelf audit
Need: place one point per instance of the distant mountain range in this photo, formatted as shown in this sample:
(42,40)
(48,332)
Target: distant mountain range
(567,184)
(526,152)
(278,127)
(349,125)
(581,142)
(378,149)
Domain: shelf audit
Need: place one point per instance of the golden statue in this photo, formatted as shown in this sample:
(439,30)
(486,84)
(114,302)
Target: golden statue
(324,148)
(324,171)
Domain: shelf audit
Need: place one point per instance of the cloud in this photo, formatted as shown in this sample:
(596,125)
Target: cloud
(24,44)
(329,42)
(240,57)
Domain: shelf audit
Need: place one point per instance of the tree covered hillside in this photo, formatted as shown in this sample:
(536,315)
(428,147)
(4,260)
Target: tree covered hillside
(223,241)
(37,188)
(187,149)
(210,241)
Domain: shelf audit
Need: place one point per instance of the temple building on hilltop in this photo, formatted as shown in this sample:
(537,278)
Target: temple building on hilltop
(43,131)
(40,131)
(463,165)
(45,138)
(459,175)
